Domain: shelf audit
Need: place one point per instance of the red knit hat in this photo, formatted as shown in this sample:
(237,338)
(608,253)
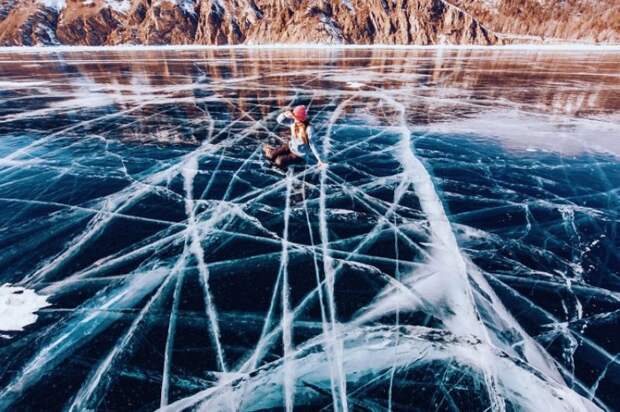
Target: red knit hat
(300,113)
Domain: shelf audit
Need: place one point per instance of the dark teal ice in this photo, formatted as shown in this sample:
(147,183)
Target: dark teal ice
(460,252)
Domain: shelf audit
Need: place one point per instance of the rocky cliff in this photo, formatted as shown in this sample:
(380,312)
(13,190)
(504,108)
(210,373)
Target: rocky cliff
(111,22)
(592,21)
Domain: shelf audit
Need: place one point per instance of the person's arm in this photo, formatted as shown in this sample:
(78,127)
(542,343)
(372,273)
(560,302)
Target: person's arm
(286,118)
(309,130)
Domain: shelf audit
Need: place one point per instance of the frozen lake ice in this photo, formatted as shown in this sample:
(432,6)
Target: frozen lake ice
(460,252)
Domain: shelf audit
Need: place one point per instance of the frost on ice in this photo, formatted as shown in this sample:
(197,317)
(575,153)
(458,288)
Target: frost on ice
(439,262)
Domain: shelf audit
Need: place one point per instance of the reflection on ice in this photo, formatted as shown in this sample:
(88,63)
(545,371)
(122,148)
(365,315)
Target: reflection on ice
(459,253)
(565,135)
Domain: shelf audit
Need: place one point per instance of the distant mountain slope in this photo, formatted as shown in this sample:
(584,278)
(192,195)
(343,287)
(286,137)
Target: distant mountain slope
(110,22)
(573,20)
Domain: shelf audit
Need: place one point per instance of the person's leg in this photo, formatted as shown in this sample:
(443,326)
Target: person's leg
(286,159)
(273,152)
(267,150)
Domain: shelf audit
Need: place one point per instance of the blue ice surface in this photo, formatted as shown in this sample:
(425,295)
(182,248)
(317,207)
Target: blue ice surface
(455,271)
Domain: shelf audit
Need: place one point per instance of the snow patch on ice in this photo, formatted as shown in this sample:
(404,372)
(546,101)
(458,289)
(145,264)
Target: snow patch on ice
(18,307)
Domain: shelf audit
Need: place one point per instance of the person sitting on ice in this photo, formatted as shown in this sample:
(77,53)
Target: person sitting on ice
(300,142)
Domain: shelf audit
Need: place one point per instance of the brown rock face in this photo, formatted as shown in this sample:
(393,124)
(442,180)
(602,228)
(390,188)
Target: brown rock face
(27,23)
(226,22)
(357,22)
(166,23)
(156,22)
(86,23)
(423,22)
(595,21)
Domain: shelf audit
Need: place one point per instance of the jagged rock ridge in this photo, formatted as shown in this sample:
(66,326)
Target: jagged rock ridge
(112,22)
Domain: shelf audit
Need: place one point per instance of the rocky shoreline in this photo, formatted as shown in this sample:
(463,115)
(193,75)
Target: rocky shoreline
(220,22)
